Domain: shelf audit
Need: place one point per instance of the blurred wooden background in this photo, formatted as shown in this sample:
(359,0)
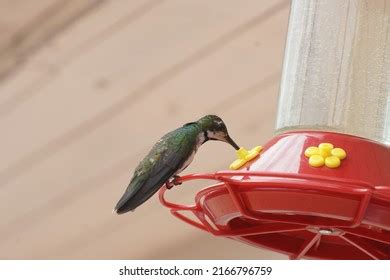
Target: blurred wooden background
(88,86)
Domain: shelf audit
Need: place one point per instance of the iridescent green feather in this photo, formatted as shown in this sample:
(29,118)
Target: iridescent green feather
(161,163)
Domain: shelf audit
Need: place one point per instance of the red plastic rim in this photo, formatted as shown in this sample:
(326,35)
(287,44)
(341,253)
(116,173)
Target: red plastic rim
(301,215)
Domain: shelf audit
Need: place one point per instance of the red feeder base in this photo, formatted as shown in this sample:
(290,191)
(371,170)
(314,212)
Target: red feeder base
(278,201)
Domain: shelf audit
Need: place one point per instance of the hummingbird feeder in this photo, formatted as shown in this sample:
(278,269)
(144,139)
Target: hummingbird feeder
(321,187)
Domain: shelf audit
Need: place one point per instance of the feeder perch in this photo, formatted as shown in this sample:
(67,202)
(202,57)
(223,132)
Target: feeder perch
(321,187)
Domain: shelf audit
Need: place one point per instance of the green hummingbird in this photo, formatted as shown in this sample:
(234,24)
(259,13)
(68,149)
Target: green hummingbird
(168,157)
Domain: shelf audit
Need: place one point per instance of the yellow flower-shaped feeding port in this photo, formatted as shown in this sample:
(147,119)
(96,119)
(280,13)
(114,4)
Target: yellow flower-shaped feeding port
(325,154)
(243,156)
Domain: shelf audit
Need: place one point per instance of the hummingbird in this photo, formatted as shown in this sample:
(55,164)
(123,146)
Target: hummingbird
(168,157)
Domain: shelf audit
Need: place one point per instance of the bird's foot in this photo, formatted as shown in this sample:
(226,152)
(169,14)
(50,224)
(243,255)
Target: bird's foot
(175,181)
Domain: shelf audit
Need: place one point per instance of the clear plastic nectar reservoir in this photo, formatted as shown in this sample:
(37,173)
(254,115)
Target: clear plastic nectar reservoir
(340,80)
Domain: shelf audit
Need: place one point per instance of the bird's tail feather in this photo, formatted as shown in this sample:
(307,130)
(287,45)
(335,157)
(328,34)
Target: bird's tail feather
(130,201)
(127,203)
(138,192)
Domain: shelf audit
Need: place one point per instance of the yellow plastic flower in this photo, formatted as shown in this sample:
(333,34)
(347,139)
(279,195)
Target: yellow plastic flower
(326,154)
(243,156)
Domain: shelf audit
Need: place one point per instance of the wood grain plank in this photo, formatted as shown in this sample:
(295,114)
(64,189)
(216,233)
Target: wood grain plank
(60,205)
(64,112)
(36,31)
(86,34)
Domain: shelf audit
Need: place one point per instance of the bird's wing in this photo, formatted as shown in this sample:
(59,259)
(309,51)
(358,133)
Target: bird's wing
(168,165)
(168,159)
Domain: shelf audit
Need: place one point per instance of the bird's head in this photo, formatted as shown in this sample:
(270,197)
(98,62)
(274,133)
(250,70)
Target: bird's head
(215,129)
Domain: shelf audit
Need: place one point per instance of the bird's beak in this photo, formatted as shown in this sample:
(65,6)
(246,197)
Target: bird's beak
(231,142)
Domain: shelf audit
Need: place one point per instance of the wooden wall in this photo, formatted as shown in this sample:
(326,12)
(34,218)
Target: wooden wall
(82,104)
